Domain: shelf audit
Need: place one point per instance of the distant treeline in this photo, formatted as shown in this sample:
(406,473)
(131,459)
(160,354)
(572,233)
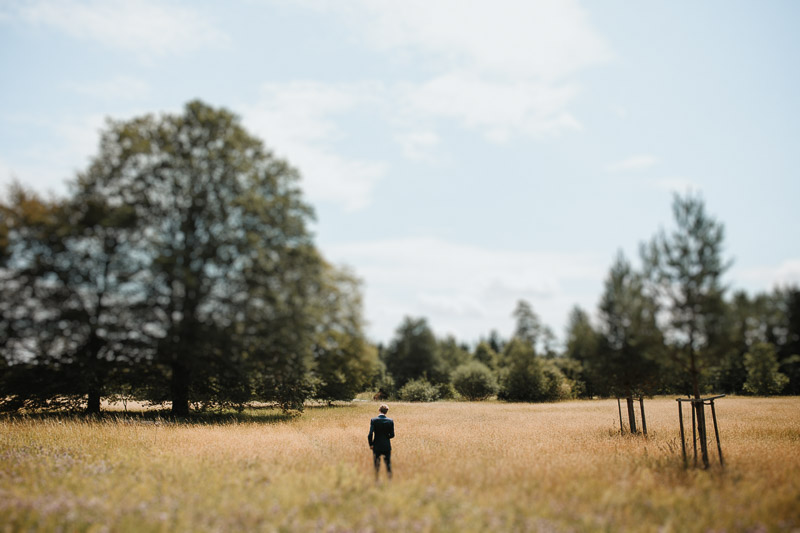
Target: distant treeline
(180,269)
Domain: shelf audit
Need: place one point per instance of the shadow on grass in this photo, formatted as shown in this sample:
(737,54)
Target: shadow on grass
(249,415)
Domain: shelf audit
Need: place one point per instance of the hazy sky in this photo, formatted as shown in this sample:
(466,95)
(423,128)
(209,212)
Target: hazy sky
(460,155)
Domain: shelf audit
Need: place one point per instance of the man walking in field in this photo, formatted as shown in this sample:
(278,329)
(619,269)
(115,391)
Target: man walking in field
(381,430)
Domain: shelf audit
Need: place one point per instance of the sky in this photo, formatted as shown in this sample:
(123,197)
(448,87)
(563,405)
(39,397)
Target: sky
(460,155)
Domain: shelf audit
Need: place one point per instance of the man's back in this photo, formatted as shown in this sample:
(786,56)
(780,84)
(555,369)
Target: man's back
(381,430)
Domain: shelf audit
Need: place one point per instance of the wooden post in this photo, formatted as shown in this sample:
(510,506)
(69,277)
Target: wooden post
(694,432)
(644,421)
(701,430)
(631,414)
(621,427)
(716,432)
(683,439)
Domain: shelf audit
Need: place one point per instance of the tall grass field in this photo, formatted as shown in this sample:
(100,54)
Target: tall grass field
(458,467)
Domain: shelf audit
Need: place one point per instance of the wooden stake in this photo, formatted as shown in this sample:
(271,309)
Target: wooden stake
(701,431)
(716,432)
(631,414)
(694,433)
(644,421)
(683,439)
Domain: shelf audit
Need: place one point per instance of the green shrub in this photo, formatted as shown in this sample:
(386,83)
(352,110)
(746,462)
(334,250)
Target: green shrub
(418,390)
(445,391)
(762,366)
(529,378)
(474,381)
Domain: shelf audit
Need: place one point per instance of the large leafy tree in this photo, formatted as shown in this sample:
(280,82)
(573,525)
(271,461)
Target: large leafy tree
(685,269)
(230,258)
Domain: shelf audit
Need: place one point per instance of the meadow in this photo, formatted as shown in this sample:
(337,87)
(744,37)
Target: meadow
(458,467)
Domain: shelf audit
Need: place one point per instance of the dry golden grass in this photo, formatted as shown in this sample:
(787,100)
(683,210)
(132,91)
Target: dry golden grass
(458,467)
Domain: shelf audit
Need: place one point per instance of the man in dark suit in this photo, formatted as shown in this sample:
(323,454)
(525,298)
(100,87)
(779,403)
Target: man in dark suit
(381,430)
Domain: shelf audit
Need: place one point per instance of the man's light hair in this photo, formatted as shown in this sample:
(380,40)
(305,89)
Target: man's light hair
(383,408)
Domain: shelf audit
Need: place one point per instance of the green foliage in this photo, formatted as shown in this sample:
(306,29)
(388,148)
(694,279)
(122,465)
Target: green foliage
(71,297)
(383,383)
(581,349)
(414,354)
(485,355)
(763,377)
(451,354)
(629,340)
(344,361)
(446,391)
(231,264)
(418,390)
(788,303)
(474,381)
(180,269)
(685,270)
(574,377)
(528,378)
(528,325)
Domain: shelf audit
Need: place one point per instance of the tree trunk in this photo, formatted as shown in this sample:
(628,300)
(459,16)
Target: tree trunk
(180,389)
(93,404)
(631,414)
(693,372)
(701,432)
(95,374)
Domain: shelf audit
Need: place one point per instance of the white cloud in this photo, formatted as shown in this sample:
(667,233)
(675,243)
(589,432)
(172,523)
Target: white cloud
(502,67)
(64,147)
(781,275)
(296,120)
(418,145)
(499,109)
(464,290)
(542,39)
(114,89)
(146,27)
(634,163)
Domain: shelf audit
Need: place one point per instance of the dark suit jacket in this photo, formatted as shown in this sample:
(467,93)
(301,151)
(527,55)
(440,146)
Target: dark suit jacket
(381,429)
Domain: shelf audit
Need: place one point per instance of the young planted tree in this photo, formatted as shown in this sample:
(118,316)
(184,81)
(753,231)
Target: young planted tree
(630,341)
(685,271)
